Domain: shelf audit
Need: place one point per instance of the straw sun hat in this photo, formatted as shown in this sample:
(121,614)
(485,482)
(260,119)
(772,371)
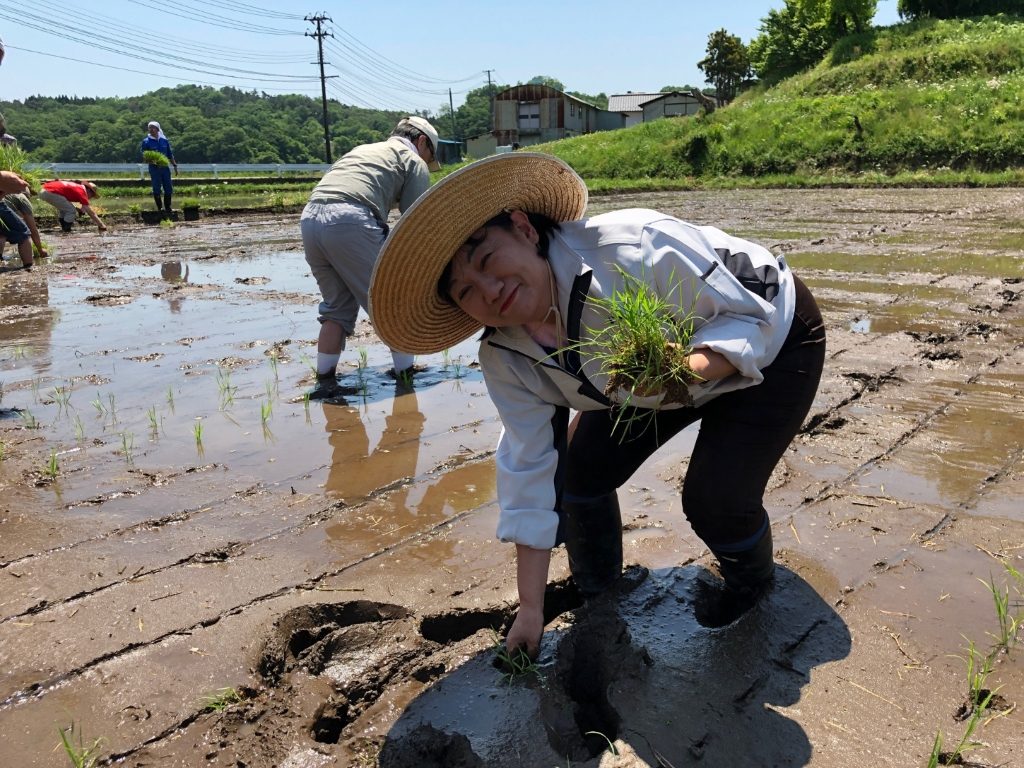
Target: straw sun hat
(407,313)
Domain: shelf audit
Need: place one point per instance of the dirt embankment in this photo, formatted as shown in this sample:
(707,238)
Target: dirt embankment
(200,569)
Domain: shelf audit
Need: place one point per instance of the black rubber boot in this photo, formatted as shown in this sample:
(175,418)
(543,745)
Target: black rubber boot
(327,387)
(156,199)
(748,575)
(750,571)
(167,203)
(593,539)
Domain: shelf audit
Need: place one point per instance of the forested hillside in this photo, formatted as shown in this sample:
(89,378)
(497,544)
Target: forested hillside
(204,124)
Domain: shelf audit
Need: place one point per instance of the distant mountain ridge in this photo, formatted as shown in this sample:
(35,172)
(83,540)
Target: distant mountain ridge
(204,125)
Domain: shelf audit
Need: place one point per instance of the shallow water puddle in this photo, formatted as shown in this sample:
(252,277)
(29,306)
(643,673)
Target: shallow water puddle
(282,272)
(166,383)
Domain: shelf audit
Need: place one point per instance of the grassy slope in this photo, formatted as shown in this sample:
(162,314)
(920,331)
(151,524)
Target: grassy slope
(938,100)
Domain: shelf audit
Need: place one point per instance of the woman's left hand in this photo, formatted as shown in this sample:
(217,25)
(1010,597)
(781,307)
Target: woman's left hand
(526,631)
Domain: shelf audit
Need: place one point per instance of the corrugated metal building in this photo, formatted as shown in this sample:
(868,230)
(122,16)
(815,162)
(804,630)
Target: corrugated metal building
(630,105)
(533,114)
(674,104)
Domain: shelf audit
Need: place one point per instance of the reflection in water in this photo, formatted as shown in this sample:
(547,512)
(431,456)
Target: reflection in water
(355,472)
(174,272)
(412,507)
(26,318)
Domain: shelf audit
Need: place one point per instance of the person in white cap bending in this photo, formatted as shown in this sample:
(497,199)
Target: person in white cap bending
(344,225)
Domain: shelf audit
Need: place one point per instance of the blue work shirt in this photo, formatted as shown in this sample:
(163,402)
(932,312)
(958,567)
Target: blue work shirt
(163,146)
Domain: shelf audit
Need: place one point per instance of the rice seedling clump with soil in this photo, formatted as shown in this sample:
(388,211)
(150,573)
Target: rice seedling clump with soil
(644,344)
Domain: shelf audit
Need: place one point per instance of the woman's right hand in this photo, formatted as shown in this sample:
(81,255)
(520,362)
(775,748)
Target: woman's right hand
(526,631)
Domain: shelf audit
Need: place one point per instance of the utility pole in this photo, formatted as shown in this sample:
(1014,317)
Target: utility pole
(320,35)
(451,108)
(490,94)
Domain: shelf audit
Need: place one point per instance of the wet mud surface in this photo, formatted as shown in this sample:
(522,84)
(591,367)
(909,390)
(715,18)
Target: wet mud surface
(176,521)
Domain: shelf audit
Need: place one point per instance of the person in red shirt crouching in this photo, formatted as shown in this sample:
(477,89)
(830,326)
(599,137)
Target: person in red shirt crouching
(63,195)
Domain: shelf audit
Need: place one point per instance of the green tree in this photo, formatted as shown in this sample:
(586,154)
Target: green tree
(790,42)
(600,100)
(548,81)
(473,117)
(841,17)
(800,34)
(726,65)
(953,9)
(204,124)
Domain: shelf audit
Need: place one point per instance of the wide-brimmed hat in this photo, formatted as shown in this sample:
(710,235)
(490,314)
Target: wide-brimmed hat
(407,312)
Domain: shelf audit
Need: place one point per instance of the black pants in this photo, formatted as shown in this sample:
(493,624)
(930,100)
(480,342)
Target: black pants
(743,434)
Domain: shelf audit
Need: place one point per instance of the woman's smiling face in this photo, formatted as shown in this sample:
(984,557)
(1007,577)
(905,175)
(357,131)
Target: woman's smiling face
(499,279)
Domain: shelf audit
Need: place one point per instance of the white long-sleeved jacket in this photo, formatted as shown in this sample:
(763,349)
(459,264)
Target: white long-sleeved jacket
(743,299)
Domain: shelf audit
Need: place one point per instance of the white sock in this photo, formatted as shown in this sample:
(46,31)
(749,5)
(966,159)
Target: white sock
(326,363)
(402,360)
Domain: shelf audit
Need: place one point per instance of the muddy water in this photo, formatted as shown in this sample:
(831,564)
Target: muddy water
(176,519)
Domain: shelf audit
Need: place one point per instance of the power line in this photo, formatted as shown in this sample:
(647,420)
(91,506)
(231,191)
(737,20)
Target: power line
(107,24)
(252,10)
(126,69)
(95,42)
(411,74)
(164,6)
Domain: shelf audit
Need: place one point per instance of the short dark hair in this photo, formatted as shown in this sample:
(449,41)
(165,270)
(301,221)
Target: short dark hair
(543,224)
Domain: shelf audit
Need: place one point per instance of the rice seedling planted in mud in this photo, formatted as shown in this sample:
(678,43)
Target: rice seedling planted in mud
(62,396)
(966,743)
(404,378)
(514,665)
(80,755)
(52,468)
(226,388)
(28,420)
(457,367)
(364,357)
(273,366)
(170,398)
(79,428)
(220,699)
(101,409)
(1009,624)
(197,431)
(127,446)
(979,668)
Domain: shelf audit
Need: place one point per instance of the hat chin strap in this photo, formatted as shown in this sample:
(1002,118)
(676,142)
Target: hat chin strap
(537,331)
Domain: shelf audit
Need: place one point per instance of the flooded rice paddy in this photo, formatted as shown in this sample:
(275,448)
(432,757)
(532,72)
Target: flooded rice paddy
(176,519)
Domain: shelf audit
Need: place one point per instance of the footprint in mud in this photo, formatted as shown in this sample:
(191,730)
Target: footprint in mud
(342,639)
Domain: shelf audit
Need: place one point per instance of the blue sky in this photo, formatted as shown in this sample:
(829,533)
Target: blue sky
(393,54)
